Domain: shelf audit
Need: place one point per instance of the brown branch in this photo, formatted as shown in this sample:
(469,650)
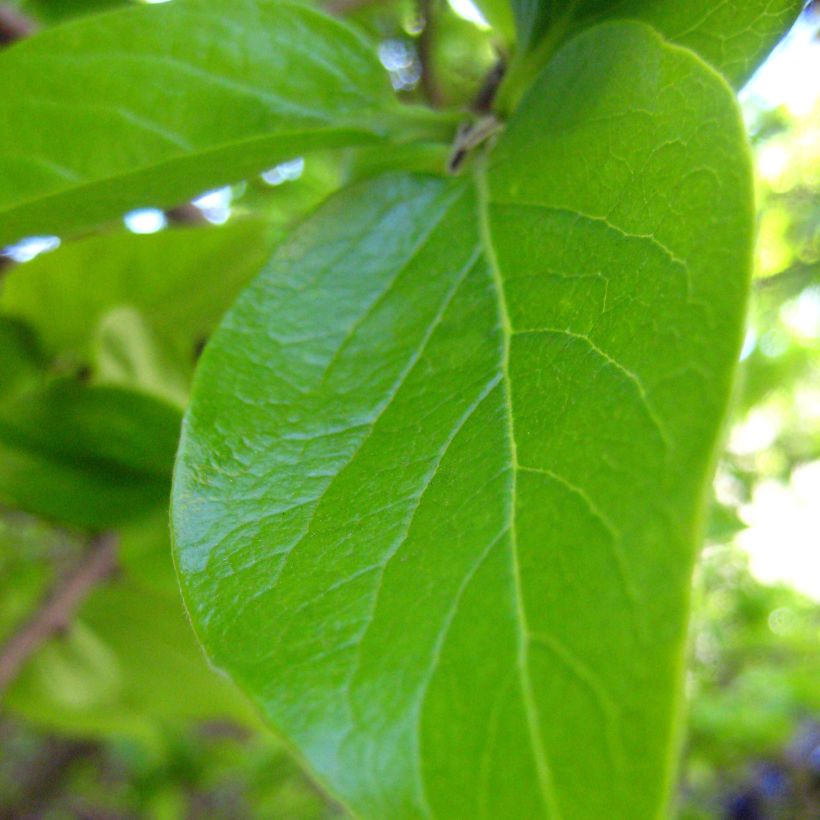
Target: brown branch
(798,276)
(340,8)
(429,80)
(14,26)
(6,263)
(57,611)
(483,102)
(186,214)
(42,782)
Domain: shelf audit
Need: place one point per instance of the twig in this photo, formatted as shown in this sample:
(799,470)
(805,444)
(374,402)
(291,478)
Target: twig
(6,263)
(341,7)
(429,80)
(57,611)
(14,26)
(42,782)
(186,214)
(483,102)
(799,274)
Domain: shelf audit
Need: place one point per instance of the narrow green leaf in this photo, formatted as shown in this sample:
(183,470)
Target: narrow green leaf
(153,104)
(734,37)
(21,361)
(440,485)
(533,18)
(53,11)
(182,280)
(86,456)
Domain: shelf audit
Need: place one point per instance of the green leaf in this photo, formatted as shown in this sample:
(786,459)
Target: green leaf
(153,104)
(441,481)
(500,16)
(53,11)
(86,456)
(131,355)
(21,361)
(734,37)
(533,18)
(130,663)
(723,523)
(28,547)
(182,280)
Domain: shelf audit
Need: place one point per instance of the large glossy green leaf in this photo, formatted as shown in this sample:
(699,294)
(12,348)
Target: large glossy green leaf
(181,280)
(440,484)
(153,104)
(733,36)
(87,456)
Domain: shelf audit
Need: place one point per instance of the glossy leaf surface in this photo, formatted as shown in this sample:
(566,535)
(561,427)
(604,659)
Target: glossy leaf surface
(150,105)
(733,36)
(440,485)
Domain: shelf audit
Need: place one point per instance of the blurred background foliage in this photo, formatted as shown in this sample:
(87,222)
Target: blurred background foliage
(120,716)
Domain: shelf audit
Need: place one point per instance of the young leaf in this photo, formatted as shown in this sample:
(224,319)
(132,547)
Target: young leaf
(130,354)
(440,484)
(150,105)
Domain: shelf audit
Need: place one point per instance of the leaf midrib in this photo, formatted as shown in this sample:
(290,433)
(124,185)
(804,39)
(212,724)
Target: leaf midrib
(545,779)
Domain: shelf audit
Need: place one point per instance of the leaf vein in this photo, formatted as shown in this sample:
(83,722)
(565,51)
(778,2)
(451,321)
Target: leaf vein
(382,409)
(545,782)
(613,362)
